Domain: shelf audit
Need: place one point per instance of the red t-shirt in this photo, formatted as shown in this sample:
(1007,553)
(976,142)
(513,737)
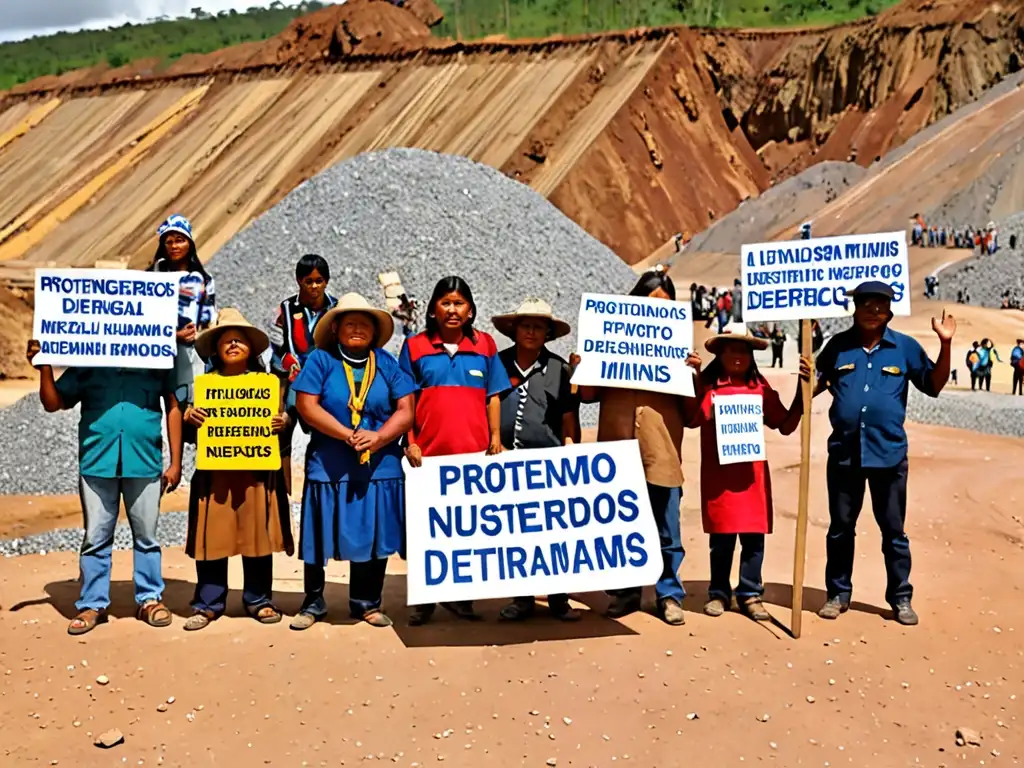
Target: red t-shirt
(736,498)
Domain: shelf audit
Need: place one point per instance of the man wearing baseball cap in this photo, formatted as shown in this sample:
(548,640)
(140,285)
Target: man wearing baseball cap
(868,369)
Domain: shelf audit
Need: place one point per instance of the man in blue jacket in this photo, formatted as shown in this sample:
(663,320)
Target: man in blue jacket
(868,369)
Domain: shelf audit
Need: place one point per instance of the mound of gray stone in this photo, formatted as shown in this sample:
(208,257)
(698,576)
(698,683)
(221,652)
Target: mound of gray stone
(786,204)
(423,214)
(985,278)
(986,412)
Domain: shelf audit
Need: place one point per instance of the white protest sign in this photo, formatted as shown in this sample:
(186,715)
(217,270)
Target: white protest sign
(808,279)
(739,428)
(530,522)
(635,342)
(105,318)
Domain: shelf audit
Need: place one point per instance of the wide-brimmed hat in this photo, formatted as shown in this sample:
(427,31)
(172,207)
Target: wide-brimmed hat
(714,344)
(326,334)
(231,319)
(531,307)
(873,288)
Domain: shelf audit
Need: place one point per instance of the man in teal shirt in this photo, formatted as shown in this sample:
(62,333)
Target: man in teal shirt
(120,451)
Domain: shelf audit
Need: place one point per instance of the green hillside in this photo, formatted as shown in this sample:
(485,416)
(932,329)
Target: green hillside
(466,19)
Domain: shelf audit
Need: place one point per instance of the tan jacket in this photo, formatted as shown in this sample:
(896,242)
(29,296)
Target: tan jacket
(653,418)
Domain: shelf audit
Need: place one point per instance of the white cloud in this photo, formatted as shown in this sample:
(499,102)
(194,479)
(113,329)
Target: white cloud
(20,19)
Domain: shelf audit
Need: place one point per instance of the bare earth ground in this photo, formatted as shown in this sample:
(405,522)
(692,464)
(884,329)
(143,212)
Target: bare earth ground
(861,691)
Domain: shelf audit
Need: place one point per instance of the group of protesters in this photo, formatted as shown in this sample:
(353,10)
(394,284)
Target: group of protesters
(450,391)
(985,239)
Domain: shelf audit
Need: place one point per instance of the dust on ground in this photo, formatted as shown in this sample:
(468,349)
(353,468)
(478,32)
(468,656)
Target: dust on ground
(859,691)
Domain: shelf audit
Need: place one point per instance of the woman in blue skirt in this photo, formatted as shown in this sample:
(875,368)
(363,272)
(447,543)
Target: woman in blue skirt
(358,402)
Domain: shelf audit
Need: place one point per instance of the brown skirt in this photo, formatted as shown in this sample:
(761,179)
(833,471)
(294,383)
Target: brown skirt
(238,513)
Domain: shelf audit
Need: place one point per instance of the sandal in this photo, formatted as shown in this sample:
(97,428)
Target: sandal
(86,621)
(377,618)
(154,613)
(199,620)
(265,614)
(303,620)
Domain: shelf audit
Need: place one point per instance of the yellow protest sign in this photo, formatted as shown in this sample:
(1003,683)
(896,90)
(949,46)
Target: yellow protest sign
(237,432)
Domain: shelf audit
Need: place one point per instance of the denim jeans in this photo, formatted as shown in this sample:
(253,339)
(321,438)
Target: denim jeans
(665,505)
(723,545)
(366,586)
(889,501)
(212,584)
(101,501)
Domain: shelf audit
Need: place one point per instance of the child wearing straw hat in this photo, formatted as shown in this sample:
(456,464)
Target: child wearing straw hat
(736,499)
(539,410)
(235,512)
(359,402)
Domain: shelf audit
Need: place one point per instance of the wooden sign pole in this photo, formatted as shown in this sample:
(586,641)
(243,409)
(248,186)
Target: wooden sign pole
(800,550)
(800,547)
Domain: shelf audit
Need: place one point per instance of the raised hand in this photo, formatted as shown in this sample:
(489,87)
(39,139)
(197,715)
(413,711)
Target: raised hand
(945,328)
(693,360)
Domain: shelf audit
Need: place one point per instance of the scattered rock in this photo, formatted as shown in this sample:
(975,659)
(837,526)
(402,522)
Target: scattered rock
(161,707)
(109,739)
(967,736)
(102,680)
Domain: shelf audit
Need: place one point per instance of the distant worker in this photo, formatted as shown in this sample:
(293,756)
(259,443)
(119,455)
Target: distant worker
(1017,362)
(737,301)
(986,353)
(778,340)
(971,361)
(868,369)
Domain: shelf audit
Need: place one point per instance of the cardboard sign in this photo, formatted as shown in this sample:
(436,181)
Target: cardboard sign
(808,279)
(530,522)
(632,342)
(237,432)
(739,428)
(105,318)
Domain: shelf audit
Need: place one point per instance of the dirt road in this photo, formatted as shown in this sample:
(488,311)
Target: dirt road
(860,691)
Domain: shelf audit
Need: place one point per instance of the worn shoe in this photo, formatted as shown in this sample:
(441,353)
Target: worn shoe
(463,609)
(672,612)
(303,620)
(833,607)
(623,605)
(904,613)
(753,608)
(421,614)
(715,606)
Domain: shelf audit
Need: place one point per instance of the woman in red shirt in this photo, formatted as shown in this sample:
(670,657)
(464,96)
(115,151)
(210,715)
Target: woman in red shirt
(736,499)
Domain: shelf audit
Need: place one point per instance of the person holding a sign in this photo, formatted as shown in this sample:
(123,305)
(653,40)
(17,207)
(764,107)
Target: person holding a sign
(733,406)
(291,334)
(359,402)
(868,369)
(197,308)
(120,458)
(459,376)
(235,511)
(656,420)
(539,411)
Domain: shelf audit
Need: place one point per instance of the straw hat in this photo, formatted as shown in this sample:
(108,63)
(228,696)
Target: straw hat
(531,307)
(326,334)
(714,344)
(231,318)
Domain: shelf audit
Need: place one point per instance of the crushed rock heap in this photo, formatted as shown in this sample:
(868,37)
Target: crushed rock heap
(423,214)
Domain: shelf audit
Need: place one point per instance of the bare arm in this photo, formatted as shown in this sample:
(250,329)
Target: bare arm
(48,394)
(319,419)
(571,431)
(172,475)
(940,373)
(796,408)
(400,421)
(494,424)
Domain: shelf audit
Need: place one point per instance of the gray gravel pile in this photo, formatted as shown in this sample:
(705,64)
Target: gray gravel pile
(787,204)
(423,214)
(986,278)
(986,412)
(171,532)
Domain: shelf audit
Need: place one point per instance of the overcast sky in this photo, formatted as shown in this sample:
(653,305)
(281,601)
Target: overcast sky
(25,18)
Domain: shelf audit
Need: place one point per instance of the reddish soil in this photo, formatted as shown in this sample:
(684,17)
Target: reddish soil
(15,329)
(859,691)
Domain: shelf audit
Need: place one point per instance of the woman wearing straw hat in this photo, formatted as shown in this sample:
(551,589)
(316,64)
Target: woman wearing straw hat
(358,402)
(736,499)
(235,512)
(539,411)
